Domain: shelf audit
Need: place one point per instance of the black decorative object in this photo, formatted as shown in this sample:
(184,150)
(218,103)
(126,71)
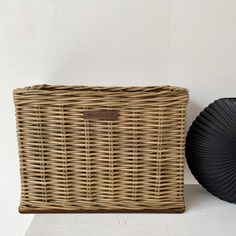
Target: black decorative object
(211,148)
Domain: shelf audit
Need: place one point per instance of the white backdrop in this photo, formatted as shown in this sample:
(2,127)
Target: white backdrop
(186,43)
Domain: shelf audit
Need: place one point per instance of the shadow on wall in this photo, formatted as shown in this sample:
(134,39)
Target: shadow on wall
(193,110)
(77,66)
(71,69)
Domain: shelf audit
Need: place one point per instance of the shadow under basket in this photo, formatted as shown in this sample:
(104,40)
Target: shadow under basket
(101,149)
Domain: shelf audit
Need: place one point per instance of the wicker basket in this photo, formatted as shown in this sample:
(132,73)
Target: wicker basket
(101,149)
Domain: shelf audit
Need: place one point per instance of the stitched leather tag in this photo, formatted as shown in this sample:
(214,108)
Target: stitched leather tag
(101,115)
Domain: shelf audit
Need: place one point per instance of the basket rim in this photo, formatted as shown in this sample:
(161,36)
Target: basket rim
(133,89)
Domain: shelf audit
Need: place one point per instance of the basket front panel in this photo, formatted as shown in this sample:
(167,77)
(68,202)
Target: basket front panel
(70,163)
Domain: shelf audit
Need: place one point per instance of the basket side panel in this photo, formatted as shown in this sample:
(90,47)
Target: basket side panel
(69,163)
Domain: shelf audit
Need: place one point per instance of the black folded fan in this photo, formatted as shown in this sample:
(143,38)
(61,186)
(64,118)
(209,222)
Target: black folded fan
(211,148)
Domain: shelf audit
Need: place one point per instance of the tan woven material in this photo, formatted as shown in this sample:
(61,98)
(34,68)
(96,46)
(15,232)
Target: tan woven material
(70,162)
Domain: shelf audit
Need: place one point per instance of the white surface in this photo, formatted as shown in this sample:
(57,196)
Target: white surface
(127,42)
(205,215)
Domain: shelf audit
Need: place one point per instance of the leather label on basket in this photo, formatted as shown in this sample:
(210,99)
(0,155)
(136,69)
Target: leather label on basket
(101,115)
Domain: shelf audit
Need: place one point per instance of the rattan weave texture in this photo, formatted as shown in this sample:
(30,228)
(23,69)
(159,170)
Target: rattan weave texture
(70,163)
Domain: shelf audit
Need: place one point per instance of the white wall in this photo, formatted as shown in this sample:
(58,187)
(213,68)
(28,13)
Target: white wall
(187,43)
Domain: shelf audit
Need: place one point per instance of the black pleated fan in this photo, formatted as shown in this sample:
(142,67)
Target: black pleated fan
(211,148)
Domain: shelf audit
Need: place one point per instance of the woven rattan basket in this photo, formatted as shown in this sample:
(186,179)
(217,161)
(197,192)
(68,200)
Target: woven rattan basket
(101,149)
